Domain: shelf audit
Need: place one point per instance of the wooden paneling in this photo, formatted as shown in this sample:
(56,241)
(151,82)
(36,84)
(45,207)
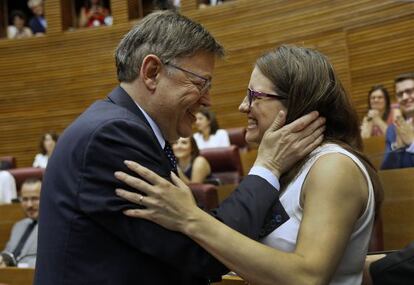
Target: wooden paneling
(397,210)
(9,215)
(16,276)
(47,82)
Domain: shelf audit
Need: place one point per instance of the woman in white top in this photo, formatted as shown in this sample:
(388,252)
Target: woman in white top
(18,30)
(7,187)
(330,195)
(209,135)
(47,145)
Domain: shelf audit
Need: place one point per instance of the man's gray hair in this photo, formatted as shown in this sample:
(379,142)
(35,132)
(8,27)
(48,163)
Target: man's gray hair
(165,34)
(33,3)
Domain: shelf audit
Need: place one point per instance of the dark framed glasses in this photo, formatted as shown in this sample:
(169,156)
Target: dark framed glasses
(252,95)
(204,87)
(409,91)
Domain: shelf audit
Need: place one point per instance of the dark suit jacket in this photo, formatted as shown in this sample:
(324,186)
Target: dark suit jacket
(83,236)
(36,26)
(398,158)
(395,269)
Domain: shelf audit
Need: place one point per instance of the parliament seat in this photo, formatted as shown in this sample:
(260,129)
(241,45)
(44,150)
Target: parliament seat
(374,148)
(23,173)
(397,209)
(7,162)
(225,163)
(237,137)
(205,195)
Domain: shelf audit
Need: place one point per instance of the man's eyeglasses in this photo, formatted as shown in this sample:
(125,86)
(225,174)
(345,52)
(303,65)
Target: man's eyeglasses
(409,91)
(203,87)
(252,95)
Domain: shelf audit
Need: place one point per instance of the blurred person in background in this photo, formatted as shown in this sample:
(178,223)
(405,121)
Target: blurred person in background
(93,14)
(37,23)
(18,30)
(375,123)
(208,133)
(21,248)
(46,146)
(400,135)
(192,168)
(7,187)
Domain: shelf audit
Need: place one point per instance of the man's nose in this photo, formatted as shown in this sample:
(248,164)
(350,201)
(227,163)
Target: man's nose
(244,106)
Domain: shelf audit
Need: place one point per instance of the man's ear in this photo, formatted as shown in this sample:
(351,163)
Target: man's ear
(150,70)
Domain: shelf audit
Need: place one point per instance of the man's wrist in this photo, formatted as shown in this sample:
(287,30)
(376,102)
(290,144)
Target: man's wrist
(266,174)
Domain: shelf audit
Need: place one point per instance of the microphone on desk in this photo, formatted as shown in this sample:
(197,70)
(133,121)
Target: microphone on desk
(8,258)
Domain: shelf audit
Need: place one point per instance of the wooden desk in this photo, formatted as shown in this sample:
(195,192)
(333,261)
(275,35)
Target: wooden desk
(9,215)
(374,148)
(16,276)
(397,209)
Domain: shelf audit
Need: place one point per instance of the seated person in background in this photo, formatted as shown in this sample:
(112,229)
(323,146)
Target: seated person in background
(47,145)
(396,268)
(400,135)
(192,168)
(376,121)
(7,187)
(18,30)
(209,135)
(38,23)
(93,14)
(22,245)
(329,216)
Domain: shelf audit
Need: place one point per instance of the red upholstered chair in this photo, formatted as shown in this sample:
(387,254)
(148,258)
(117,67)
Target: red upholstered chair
(237,137)
(205,195)
(21,174)
(225,163)
(7,162)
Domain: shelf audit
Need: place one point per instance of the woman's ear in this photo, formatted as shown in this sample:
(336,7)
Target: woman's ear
(150,70)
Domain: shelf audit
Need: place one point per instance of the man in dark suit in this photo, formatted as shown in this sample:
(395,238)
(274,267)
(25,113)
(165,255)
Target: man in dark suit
(400,135)
(37,23)
(164,66)
(396,268)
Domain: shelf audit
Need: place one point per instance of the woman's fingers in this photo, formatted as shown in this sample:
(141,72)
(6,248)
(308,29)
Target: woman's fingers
(177,181)
(278,122)
(134,182)
(144,172)
(138,213)
(301,123)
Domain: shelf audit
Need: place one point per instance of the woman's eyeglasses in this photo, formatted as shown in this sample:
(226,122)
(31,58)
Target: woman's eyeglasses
(252,95)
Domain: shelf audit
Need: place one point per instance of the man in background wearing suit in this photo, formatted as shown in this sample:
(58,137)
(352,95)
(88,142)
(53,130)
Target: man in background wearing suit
(22,246)
(396,268)
(164,66)
(400,135)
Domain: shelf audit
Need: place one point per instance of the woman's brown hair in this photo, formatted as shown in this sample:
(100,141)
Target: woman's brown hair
(309,81)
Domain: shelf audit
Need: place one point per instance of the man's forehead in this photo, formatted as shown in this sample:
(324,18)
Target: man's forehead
(32,189)
(408,83)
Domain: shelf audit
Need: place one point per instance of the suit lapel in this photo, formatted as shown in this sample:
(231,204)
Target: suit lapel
(121,98)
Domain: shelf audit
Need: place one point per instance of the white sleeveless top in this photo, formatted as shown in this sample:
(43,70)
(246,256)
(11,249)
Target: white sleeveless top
(349,271)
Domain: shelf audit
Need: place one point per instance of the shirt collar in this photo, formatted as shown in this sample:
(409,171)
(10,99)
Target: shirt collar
(154,127)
